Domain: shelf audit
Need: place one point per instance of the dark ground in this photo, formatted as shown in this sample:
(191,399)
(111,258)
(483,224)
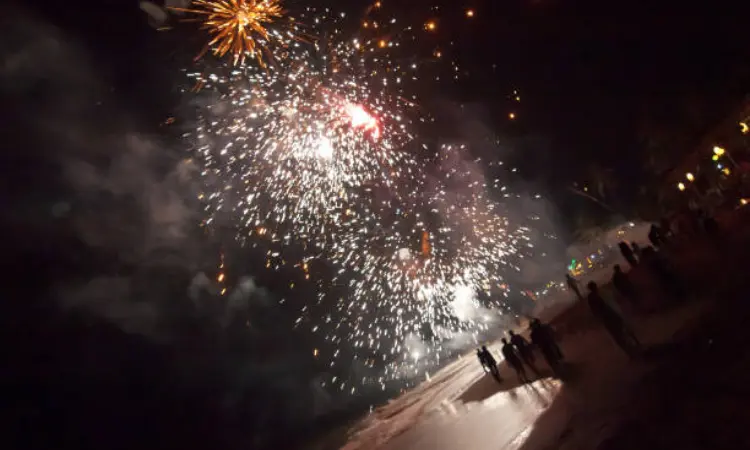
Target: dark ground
(686,391)
(75,382)
(689,391)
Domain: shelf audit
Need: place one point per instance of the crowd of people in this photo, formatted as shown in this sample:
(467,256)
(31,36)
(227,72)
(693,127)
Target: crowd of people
(519,353)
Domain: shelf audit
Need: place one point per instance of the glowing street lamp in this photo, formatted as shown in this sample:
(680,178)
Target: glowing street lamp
(681,186)
(690,177)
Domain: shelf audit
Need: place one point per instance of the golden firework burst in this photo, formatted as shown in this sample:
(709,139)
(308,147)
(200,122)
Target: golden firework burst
(238,27)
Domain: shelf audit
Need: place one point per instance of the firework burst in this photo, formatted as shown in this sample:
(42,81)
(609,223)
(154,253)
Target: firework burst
(318,150)
(239,27)
(432,272)
(293,148)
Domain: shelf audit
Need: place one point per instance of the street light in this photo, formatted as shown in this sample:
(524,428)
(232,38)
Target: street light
(681,186)
(690,177)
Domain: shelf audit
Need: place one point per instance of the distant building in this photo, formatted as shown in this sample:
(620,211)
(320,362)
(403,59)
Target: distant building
(715,166)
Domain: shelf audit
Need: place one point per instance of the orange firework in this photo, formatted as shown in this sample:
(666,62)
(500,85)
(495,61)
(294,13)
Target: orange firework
(426,247)
(237,26)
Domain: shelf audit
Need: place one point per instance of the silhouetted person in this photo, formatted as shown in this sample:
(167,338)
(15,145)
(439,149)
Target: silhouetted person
(654,236)
(573,285)
(627,253)
(480,357)
(666,229)
(711,226)
(547,334)
(624,285)
(636,250)
(544,339)
(514,361)
(489,362)
(523,348)
(664,274)
(696,220)
(612,321)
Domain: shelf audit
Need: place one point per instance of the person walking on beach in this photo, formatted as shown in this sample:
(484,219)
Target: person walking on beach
(488,361)
(613,321)
(654,236)
(523,349)
(624,285)
(542,336)
(627,253)
(636,250)
(573,285)
(513,360)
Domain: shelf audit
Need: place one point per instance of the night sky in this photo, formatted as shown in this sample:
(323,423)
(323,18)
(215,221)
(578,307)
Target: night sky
(597,82)
(590,74)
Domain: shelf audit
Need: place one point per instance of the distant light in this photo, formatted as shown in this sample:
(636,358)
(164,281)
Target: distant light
(718,151)
(743,201)
(382,43)
(512,116)
(690,177)
(744,128)
(681,186)
(315,352)
(726,171)
(469,13)
(715,157)
(430,26)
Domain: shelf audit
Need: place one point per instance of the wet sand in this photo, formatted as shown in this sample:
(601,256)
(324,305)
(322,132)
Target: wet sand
(687,391)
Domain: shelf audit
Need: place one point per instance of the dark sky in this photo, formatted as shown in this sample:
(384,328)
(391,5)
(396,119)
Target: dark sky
(589,72)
